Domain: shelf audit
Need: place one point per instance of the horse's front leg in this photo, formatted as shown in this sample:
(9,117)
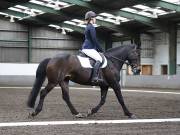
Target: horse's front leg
(66,98)
(104,90)
(117,89)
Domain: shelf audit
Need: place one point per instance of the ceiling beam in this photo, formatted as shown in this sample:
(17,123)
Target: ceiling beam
(82,4)
(166,5)
(140,18)
(71,16)
(10,3)
(93,7)
(44,22)
(47,22)
(44,9)
(145,20)
(14,13)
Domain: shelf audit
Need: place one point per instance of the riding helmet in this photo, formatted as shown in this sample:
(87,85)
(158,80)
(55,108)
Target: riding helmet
(89,15)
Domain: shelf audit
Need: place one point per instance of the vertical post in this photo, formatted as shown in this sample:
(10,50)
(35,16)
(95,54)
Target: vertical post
(172,48)
(105,40)
(137,41)
(29,44)
(108,42)
(101,42)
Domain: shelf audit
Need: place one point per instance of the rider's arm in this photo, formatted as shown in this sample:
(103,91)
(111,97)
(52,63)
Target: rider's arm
(94,39)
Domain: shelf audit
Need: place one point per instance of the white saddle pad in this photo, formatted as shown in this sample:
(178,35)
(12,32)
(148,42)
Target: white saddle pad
(85,62)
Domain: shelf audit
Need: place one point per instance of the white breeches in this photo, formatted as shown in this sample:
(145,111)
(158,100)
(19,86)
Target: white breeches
(93,54)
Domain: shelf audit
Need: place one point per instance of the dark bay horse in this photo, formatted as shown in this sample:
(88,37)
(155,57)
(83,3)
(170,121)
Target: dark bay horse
(63,68)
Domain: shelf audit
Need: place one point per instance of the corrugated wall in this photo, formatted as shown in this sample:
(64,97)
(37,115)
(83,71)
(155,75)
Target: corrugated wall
(13,42)
(178,51)
(46,42)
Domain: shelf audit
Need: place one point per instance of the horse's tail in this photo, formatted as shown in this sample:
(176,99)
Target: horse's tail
(40,78)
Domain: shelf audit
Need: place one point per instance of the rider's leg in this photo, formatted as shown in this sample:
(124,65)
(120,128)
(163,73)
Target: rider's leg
(92,53)
(95,74)
(96,56)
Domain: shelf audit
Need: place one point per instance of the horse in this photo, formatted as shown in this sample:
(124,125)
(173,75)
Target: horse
(61,69)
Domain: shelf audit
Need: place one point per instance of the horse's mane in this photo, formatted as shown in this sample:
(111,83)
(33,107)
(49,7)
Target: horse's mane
(120,47)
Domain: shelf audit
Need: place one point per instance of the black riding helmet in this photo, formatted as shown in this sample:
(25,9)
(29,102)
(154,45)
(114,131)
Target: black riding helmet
(89,15)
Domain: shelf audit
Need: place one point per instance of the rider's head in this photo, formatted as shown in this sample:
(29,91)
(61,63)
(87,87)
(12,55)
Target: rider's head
(90,17)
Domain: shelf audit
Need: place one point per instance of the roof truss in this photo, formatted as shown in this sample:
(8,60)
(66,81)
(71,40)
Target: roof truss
(89,6)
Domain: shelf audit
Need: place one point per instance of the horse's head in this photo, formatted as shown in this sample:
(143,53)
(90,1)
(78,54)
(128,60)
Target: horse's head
(134,60)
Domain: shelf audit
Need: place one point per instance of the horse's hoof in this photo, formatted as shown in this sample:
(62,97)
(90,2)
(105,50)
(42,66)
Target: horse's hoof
(89,113)
(31,115)
(79,115)
(133,116)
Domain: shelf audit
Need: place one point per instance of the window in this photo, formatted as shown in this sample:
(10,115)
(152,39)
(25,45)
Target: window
(146,70)
(164,69)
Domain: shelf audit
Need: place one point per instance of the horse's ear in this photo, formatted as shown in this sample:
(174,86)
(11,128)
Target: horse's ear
(135,46)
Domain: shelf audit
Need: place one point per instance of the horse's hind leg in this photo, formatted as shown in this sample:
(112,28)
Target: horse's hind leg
(43,94)
(66,98)
(104,90)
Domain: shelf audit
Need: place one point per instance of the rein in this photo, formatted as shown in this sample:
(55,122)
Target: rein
(118,59)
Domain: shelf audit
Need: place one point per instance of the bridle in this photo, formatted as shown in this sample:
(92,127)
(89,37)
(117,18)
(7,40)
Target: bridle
(135,70)
(124,61)
(118,59)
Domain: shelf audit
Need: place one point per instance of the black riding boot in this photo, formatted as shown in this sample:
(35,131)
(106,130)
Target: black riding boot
(95,78)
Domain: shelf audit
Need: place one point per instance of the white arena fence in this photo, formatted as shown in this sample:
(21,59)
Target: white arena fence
(18,74)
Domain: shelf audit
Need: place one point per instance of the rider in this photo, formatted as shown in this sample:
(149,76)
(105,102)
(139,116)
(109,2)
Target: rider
(91,46)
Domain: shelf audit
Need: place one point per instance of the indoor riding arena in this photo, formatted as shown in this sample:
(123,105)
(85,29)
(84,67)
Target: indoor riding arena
(143,103)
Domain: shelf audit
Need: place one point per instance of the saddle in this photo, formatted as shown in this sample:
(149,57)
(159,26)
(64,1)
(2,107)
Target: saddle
(88,62)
